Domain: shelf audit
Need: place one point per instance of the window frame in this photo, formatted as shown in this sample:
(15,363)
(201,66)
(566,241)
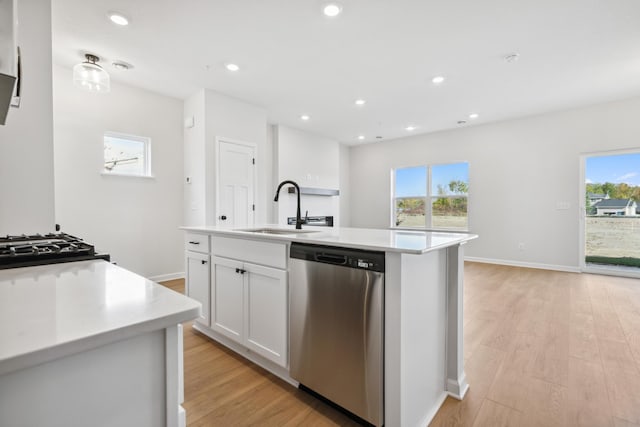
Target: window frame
(429,198)
(134,138)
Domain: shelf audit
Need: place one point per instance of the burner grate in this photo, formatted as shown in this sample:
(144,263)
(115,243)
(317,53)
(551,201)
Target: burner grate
(37,249)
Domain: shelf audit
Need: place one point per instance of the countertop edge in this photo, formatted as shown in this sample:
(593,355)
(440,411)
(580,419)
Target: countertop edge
(307,238)
(43,355)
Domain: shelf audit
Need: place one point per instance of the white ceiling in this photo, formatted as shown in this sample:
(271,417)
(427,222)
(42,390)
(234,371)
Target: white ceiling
(295,61)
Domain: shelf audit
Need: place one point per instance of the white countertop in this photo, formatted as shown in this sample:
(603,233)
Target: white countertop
(404,241)
(55,310)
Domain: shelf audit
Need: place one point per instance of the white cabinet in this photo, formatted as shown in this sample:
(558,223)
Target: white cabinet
(227,290)
(249,305)
(197,282)
(266,312)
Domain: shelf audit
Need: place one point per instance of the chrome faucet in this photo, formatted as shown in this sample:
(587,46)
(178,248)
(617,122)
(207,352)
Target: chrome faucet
(298,216)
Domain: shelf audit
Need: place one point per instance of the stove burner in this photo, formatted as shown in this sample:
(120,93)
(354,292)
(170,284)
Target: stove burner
(26,250)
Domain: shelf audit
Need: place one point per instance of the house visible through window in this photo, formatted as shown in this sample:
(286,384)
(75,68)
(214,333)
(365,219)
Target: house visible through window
(432,196)
(127,154)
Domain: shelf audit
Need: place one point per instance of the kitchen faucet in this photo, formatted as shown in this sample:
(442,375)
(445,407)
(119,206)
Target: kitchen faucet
(298,216)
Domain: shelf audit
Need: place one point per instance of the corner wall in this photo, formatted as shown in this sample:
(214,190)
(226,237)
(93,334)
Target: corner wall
(311,161)
(519,172)
(26,141)
(134,219)
(216,115)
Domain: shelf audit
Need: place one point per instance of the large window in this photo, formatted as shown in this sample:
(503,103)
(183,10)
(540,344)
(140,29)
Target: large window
(431,196)
(127,155)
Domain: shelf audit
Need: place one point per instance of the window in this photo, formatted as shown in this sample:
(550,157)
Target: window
(432,196)
(127,155)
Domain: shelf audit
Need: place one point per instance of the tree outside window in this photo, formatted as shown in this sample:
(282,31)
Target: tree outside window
(432,196)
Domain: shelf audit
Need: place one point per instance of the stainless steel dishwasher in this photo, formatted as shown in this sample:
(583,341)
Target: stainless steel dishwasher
(336,332)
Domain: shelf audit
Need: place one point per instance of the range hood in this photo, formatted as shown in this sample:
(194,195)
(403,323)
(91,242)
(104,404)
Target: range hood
(9,58)
(7,84)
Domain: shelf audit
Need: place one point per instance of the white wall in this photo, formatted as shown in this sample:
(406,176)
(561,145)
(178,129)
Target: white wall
(345,186)
(217,115)
(135,220)
(311,161)
(194,154)
(26,141)
(518,171)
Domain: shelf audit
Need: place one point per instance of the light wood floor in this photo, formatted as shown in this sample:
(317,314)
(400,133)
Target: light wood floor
(542,348)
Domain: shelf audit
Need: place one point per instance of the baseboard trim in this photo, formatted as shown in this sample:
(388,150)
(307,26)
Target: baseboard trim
(536,265)
(433,411)
(165,277)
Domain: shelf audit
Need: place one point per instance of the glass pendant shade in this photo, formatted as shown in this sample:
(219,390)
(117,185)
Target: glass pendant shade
(90,76)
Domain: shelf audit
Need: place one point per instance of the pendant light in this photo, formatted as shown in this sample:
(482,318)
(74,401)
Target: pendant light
(88,75)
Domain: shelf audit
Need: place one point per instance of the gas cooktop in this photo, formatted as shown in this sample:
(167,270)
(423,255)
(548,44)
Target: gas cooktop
(38,249)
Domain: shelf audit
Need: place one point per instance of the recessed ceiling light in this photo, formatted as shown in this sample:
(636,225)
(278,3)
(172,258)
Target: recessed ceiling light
(437,80)
(360,102)
(121,66)
(473,116)
(360,137)
(410,128)
(305,117)
(118,18)
(232,67)
(512,57)
(332,9)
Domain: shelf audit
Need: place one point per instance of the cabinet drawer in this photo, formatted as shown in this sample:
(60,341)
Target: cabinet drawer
(197,242)
(254,251)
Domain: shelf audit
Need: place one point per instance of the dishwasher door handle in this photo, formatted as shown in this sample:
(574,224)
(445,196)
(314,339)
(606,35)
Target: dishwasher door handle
(332,259)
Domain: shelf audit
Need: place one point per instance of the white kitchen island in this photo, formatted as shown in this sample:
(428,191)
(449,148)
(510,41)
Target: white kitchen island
(90,344)
(423,355)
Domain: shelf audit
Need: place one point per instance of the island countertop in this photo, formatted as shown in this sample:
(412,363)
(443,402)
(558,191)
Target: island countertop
(54,310)
(404,241)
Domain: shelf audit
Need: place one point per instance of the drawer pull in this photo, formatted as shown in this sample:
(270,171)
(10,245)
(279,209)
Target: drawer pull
(194,243)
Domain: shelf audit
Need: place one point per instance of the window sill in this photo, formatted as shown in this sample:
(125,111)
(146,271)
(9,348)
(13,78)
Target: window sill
(432,230)
(126,175)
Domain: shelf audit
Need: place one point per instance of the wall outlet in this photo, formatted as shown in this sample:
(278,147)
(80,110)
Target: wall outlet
(521,246)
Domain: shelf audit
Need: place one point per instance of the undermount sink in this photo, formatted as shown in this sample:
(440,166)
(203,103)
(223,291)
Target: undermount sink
(275,230)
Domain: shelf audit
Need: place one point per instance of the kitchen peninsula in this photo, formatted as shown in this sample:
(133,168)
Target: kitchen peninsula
(243,278)
(90,343)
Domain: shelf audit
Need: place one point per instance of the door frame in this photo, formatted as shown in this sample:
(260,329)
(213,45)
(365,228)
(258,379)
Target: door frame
(254,147)
(582,208)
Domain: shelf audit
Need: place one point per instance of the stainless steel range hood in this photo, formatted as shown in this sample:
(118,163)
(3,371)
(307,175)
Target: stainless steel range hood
(9,58)
(7,84)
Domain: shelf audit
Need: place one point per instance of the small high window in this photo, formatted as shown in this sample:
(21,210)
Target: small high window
(126,155)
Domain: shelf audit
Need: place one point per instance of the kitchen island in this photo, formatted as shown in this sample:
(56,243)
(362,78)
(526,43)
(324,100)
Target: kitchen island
(240,277)
(90,343)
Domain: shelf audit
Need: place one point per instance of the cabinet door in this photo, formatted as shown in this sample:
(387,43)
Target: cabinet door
(265,328)
(227,297)
(197,282)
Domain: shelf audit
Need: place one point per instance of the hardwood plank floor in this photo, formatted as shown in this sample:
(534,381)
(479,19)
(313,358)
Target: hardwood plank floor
(542,348)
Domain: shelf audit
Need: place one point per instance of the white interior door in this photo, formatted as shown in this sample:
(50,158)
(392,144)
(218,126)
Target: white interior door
(236,182)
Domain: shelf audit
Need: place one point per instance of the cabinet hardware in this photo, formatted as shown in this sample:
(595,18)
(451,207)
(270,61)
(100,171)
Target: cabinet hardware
(204,262)
(223,217)
(194,243)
